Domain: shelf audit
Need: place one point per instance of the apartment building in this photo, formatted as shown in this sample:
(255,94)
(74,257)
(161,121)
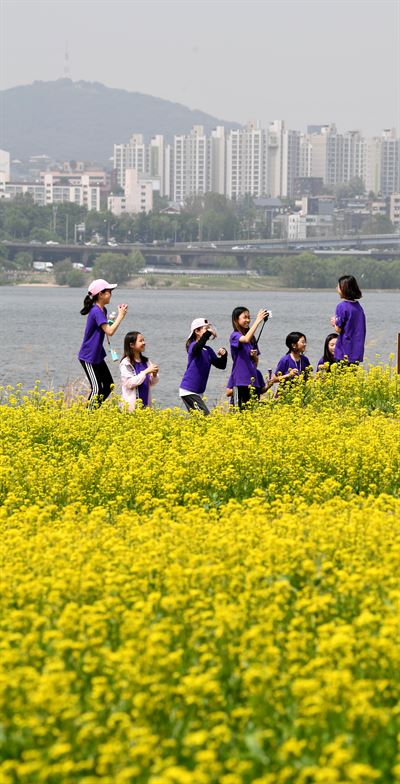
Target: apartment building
(54,188)
(191,164)
(246,162)
(5,164)
(382,170)
(218,159)
(394,210)
(390,163)
(283,160)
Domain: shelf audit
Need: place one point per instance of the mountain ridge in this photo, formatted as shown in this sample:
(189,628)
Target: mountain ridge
(83,120)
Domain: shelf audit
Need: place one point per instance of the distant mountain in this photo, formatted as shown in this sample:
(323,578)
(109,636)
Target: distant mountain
(83,120)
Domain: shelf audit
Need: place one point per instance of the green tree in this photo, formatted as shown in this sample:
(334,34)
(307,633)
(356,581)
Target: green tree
(378,224)
(350,189)
(76,278)
(41,234)
(115,267)
(61,271)
(23,260)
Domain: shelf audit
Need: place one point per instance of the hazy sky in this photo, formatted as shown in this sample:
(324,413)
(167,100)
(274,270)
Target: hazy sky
(304,61)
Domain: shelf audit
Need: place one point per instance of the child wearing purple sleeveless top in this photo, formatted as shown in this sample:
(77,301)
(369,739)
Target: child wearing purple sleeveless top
(349,322)
(92,354)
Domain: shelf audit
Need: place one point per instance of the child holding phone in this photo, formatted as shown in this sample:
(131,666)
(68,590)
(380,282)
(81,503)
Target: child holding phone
(138,374)
(244,351)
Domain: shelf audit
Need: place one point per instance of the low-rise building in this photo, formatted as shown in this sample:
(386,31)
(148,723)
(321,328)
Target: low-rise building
(137,196)
(54,190)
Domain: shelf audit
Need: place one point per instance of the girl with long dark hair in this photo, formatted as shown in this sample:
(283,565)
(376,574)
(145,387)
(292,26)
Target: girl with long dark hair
(138,374)
(92,353)
(244,350)
(328,357)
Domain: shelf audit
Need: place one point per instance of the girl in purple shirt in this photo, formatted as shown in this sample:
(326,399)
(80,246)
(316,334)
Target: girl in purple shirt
(244,349)
(349,322)
(200,359)
(294,362)
(328,358)
(92,354)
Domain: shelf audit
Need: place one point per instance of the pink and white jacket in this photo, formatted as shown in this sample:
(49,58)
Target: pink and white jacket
(130,381)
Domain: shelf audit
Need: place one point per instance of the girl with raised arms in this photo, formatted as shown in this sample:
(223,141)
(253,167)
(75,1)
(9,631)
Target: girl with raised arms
(92,353)
(244,350)
(200,359)
(138,374)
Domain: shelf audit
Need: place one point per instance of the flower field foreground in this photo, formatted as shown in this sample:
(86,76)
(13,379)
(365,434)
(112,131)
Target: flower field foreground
(190,600)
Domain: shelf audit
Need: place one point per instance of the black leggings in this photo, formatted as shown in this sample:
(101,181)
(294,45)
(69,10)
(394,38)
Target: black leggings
(195,402)
(100,380)
(243,396)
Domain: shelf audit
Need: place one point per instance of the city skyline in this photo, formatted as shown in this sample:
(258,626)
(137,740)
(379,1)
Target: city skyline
(310,62)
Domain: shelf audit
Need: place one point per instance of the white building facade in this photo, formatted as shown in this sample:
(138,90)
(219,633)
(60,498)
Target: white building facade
(54,189)
(138,195)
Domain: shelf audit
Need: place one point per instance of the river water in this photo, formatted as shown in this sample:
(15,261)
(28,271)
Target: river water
(43,330)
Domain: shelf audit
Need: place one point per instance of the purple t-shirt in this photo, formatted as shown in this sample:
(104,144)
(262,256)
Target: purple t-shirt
(323,361)
(198,369)
(287,362)
(92,349)
(143,388)
(243,370)
(350,317)
(259,382)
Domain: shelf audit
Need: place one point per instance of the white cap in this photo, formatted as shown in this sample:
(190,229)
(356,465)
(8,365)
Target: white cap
(197,323)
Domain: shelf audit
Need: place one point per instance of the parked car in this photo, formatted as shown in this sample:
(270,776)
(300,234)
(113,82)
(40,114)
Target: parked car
(52,242)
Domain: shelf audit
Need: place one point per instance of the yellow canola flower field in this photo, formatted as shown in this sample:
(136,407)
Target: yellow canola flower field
(190,600)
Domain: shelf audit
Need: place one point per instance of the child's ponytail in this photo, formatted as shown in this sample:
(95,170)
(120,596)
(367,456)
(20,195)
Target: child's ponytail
(88,303)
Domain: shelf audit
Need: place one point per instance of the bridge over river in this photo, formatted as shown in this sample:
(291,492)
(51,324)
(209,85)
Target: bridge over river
(378,246)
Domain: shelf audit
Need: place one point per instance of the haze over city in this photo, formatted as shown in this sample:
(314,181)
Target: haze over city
(304,61)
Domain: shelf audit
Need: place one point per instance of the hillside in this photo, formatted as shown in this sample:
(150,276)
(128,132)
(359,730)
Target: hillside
(82,120)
